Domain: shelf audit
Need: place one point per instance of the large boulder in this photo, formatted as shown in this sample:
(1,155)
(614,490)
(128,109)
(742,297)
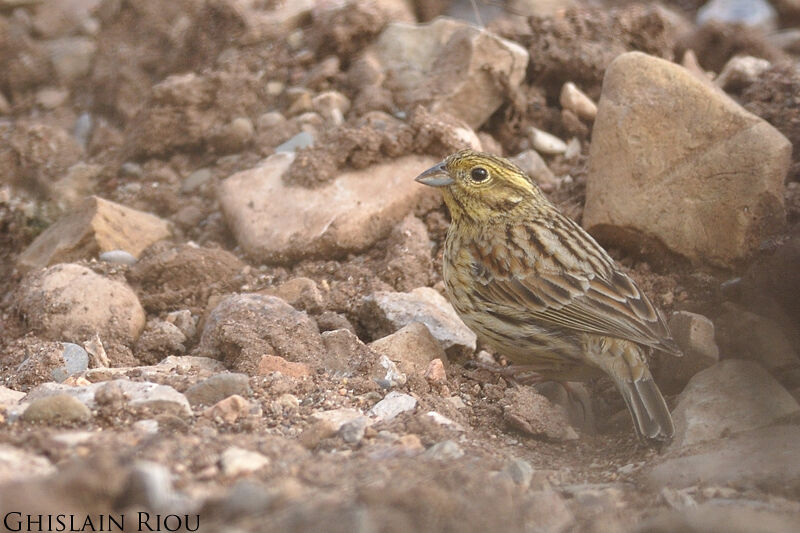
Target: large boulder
(677,161)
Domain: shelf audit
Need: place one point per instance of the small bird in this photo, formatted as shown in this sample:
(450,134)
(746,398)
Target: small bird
(539,290)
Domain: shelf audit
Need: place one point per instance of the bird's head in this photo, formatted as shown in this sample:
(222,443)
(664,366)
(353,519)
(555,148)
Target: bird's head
(481,187)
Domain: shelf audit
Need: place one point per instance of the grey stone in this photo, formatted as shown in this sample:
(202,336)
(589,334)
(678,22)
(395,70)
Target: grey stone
(353,431)
(521,472)
(76,360)
(392,405)
(118,257)
(196,179)
(730,397)
(302,140)
(149,486)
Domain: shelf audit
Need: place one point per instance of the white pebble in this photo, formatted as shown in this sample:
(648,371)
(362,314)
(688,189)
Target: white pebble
(118,257)
(576,101)
(546,143)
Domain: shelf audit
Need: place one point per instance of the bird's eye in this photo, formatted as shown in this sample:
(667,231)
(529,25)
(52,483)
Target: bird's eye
(479,174)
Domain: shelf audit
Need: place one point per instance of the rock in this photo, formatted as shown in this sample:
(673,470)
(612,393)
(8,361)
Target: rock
(447,450)
(331,105)
(216,388)
(51,98)
(196,179)
(273,363)
(392,405)
(184,321)
(228,410)
(58,408)
(546,143)
(336,419)
(96,226)
(412,347)
(36,155)
(408,262)
(9,397)
(71,57)
(444,63)
(118,257)
(730,397)
(764,458)
(348,214)
(741,71)
(149,486)
(395,310)
(695,336)
(444,421)
(302,140)
(58,19)
(547,511)
(159,339)
(529,412)
(534,166)
(51,361)
(711,518)
(746,335)
(390,376)
(353,431)
(21,465)
(521,472)
(346,354)
(234,136)
(330,321)
(576,101)
(747,12)
(169,277)
(138,394)
(242,328)
(708,189)
(435,373)
(70,302)
(301,293)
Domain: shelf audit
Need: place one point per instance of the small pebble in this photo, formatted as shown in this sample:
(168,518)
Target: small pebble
(392,405)
(76,360)
(196,179)
(546,143)
(235,461)
(131,170)
(576,101)
(353,431)
(219,387)
(521,471)
(118,257)
(56,408)
(447,450)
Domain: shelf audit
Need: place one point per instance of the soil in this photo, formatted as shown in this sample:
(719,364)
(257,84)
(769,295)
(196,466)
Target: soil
(149,132)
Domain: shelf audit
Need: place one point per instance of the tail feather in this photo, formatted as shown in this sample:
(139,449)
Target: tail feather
(651,417)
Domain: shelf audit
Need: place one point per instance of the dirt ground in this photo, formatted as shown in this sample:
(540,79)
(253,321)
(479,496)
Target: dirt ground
(144,138)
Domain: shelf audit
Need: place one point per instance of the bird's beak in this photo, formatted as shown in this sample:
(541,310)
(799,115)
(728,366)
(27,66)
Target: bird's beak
(435,177)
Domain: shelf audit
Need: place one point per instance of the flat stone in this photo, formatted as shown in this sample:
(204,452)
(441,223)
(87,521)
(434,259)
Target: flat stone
(765,458)
(96,226)
(444,63)
(395,310)
(730,397)
(347,214)
(675,160)
(72,303)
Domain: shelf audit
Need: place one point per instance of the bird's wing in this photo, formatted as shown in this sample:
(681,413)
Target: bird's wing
(576,286)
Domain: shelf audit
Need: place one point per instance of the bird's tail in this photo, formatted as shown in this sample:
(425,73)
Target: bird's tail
(626,363)
(649,411)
